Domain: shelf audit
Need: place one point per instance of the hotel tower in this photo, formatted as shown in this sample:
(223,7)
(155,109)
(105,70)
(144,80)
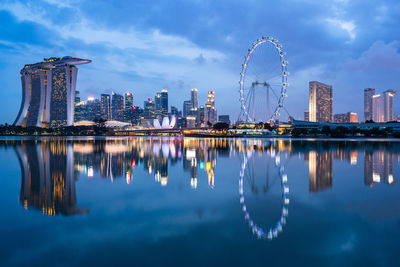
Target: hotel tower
(48,92)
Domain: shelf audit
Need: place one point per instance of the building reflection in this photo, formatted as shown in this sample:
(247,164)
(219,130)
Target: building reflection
(320,170)
(50,166)
(48,178)
(378,167)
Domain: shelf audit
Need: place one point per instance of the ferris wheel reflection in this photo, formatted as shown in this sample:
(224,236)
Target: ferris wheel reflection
(273,231)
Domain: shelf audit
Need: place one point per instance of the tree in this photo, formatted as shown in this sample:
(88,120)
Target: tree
(326,130)
(268,126)
(221,126)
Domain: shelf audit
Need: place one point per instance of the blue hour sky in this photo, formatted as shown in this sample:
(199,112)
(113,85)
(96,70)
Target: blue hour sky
(145,46)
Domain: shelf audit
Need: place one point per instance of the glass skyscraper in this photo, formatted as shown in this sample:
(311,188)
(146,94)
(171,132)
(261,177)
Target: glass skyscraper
(117,107)
(320,106)
(48,92)
(368,93)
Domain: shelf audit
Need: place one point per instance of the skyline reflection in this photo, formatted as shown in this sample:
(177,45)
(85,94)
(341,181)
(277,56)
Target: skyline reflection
(51,166)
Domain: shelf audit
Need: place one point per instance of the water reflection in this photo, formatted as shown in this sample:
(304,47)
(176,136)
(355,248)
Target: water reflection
(51,166)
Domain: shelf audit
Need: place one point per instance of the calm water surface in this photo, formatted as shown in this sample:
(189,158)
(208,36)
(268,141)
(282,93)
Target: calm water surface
(199,202)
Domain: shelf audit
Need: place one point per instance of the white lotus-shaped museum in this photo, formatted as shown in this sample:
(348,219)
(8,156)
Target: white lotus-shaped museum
(166,123)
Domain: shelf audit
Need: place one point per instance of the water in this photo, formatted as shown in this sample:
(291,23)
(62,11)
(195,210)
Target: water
(199,202)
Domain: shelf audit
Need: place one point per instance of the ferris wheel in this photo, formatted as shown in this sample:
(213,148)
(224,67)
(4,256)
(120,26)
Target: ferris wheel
(263,82)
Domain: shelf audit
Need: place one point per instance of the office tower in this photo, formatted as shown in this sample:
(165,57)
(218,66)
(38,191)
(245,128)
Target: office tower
(128,107)
(320,106)
(117,107)
(377,108)
(106,107)
(320,170)
(201,115)
(345,118)
(174,111)
(224,118)
(306,115)
(81,111)
(190,121)
(187,105)
(48,92)
(148,112)
(193,98)
(137,115)
(164,103)
(388,105)
(368,93)
(77,97)
(210,111)
(93,109)
(157,106)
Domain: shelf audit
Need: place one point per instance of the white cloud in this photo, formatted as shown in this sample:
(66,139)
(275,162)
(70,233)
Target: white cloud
(348,26)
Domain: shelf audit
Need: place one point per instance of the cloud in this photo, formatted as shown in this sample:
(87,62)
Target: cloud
(348,26)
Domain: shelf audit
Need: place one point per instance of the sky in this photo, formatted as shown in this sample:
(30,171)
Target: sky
(145,46)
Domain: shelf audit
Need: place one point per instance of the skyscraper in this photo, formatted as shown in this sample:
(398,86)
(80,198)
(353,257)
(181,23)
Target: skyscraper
(148,112)
(157,106)
(368,93)
(210,111)
(388,105)
(187,105)
(94,109)
(106,107)
(128,107)
(193,98)
(377,108)
(77,97)
(48,92)
(306,115)
(345,118)
(164,103)
(320,107)
(117,107)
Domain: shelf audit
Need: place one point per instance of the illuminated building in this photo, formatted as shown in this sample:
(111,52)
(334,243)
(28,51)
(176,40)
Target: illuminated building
(368,93)
(388,105)
(94,109)
(81,111)
(48,92)
(345,118)
(377,108)
(117,107)
(128,107)
(320,170)
(77,97)
(164,103)
(175,112)
(187,105)
(210,113)
(106,107)
(157,106)
(148,112)
(320,106)
(306,115)
(201,116)
(193,98)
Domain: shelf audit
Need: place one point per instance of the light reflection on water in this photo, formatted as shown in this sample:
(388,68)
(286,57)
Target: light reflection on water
(236,169)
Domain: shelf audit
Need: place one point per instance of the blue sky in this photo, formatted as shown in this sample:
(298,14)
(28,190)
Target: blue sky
(145,46)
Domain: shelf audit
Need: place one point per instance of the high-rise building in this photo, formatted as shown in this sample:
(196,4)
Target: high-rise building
(48,92)
(201,116)
(157,106)
(93,109)
(117,107)
(306,115)
(193,98)
(187,105)
(128,107)
(175,112)
(377,108)
(137,115)
(224,118)
(81,111)
(164,103)
(77,97)
(345,118)
(148,112)
(106,107)
(210,111)
(321,99)
(388,105)
(368,93)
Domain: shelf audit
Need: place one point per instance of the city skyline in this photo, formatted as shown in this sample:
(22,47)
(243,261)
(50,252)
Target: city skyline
(207,53)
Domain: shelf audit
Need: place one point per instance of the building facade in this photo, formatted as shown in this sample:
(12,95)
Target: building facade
(306,115)
(193,98)
(345,118)
(368,93)
(377,108)
(106,106)
(224,119)
(321,99)
(164,103)
(210,113)
(128,107)
(117,107)
(48,92)
(388,105)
